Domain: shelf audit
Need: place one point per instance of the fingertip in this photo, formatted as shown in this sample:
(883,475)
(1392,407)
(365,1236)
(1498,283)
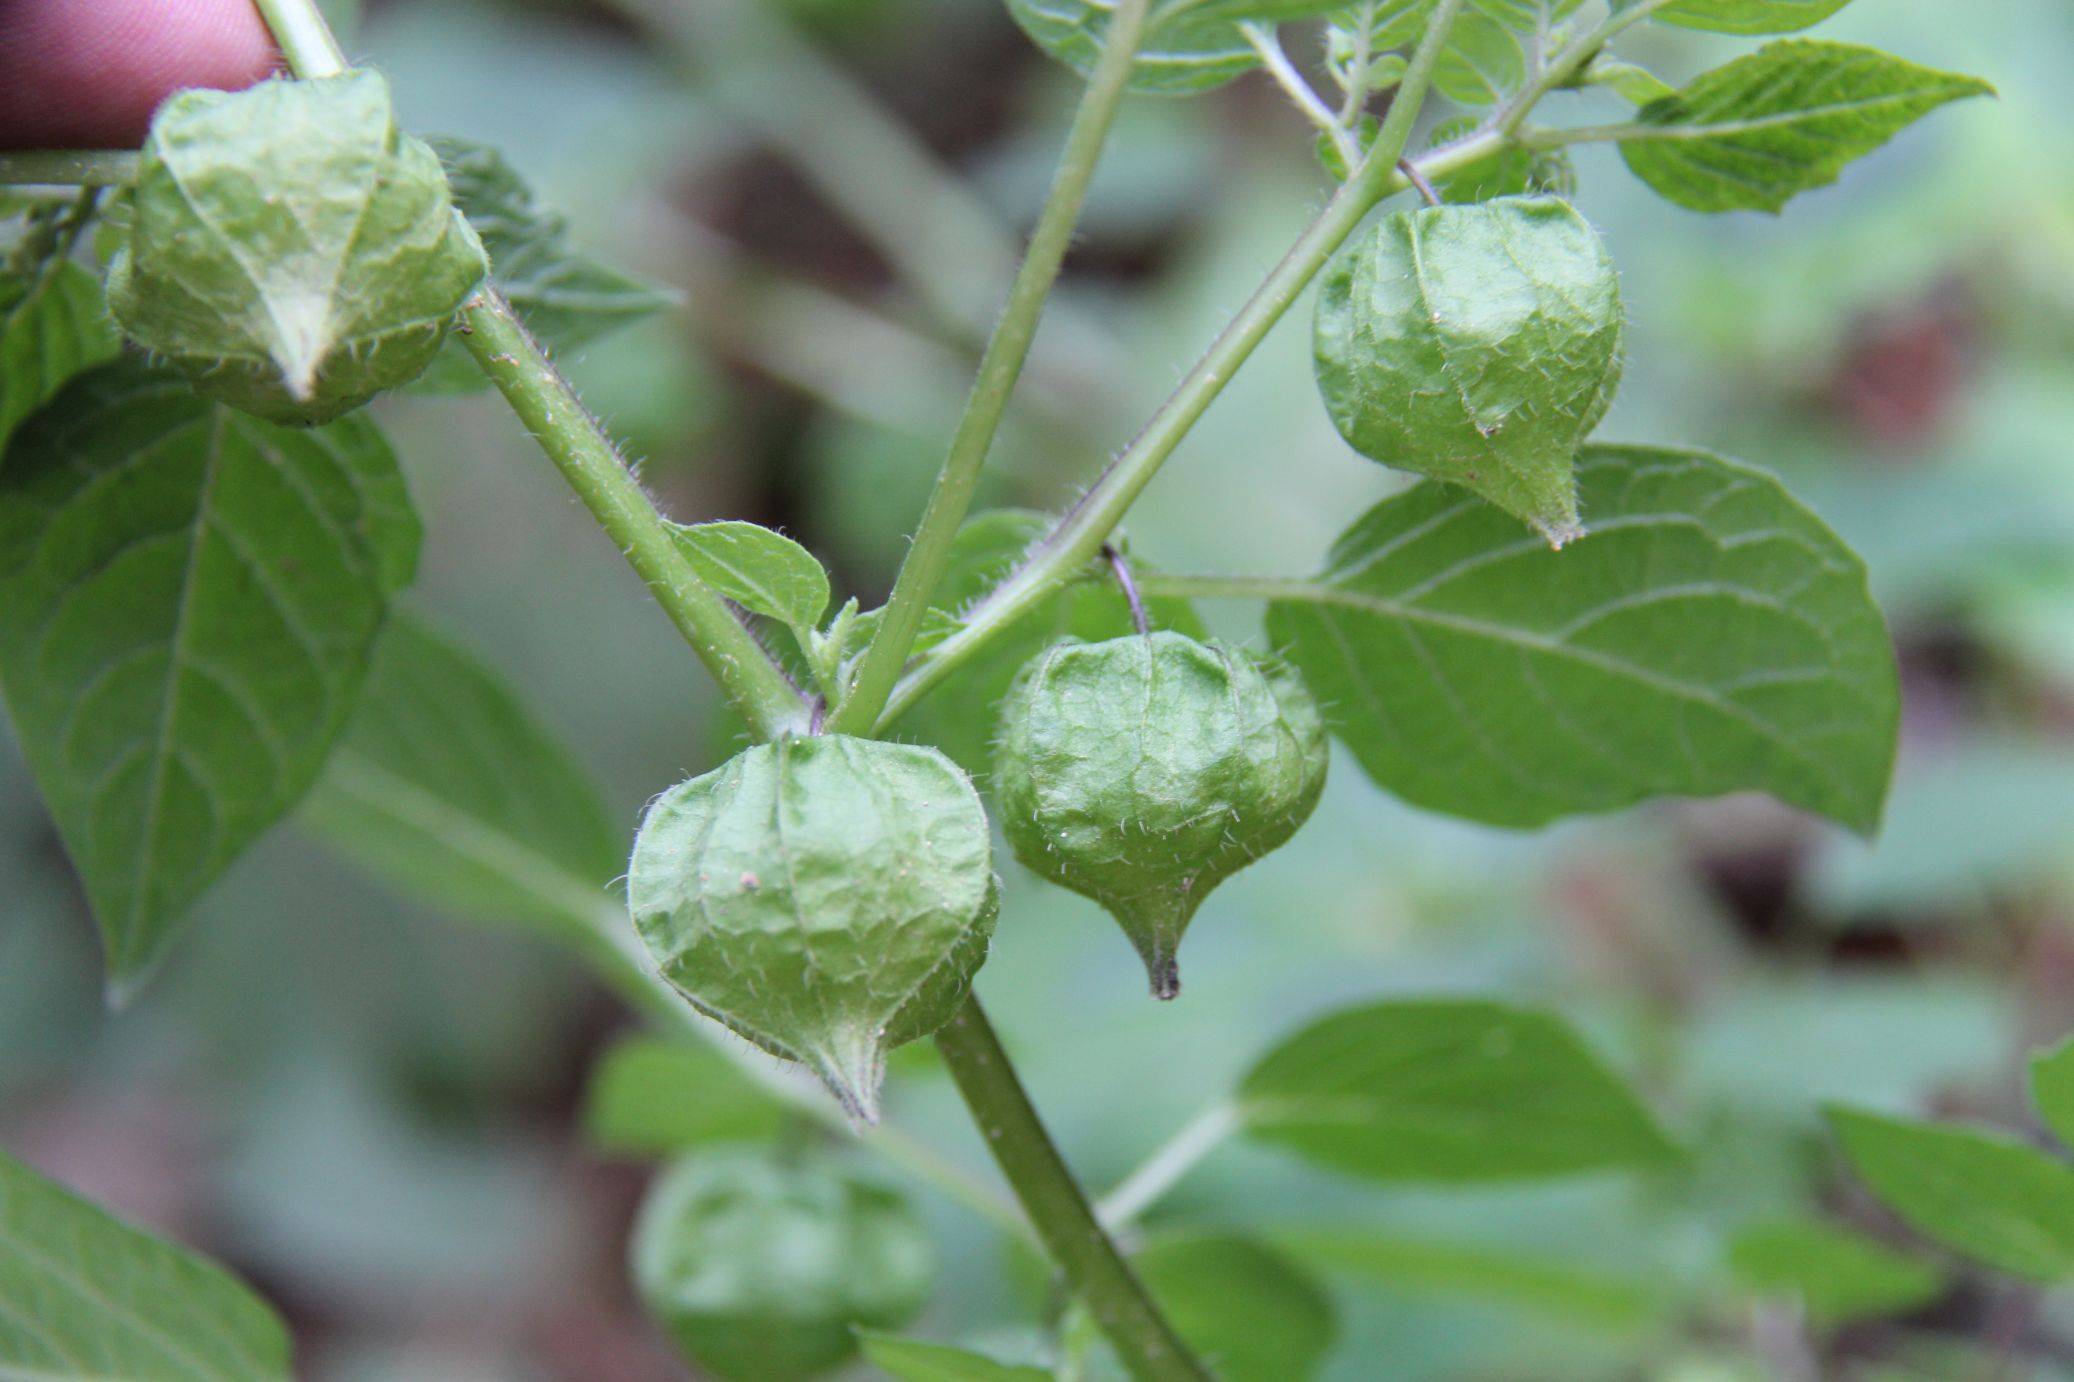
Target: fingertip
(89,73)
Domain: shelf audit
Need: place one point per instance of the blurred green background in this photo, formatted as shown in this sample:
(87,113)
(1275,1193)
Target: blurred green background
(374,1112)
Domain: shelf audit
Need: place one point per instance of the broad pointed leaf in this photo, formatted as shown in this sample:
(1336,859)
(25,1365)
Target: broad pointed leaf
(567,299)
(52,326)
(1248,1312)
(447,785)
(2052,1090)
(1549,1287)
(918,1360)
(85,1295)
(1447,1090)
(1979,1193)
(1748,16)
(1707,635)
(1835,1274)
(655,1097)
(1786,119)
(188,600)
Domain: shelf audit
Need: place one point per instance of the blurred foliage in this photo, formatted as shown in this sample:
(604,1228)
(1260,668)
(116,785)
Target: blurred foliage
(378,1115)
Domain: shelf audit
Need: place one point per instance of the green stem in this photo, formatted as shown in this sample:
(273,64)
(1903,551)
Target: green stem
(578,446)
(1100,1278)
(999,368)
(1166,1167)
(303,36)
(1087,525)
(585,455)
(1189,587)
(68,167)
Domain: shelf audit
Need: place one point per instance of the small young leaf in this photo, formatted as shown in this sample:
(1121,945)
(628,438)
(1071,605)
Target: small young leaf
(188,600)
(52,326)
(291,250)
(1482,62)
(1781,121)
(447,785)
(2052,1090)
(651,1097)
(1476,344)
(1978,1193)
(1447,1090)
(764,572)
(1748,16)
(84,1295)
(565,298)
(1708,636)
(917,1360)
(1836,1274)
(1636,85)
(1249,1313)
(1551,1288)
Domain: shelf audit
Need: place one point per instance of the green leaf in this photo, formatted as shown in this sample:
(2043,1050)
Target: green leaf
(963,715)
(448,786)
(290,249)
(2052,1089)
(188,601)
(1447,1090)
(1708,635)
(1190,45)
(1482,62)
(1748,16)
(565,298)
(1527,16)
(917,1360)
(652,1097)
(1249,1313)
(1636,85)
(1978,1193)
(764,572)
(52,326)
(1559,1290)
(1781,121)
(85,1295)
(1838,1275)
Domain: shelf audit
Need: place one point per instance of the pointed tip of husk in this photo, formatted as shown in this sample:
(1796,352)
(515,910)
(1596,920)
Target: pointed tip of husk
(854,1068)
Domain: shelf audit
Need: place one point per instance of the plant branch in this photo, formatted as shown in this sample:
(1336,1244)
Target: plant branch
(1079,535)
(585,455)
(578,446)
(1165,1168)
(68,167)
(999,369)
(1100,1278)
(1276,61)
(304,37)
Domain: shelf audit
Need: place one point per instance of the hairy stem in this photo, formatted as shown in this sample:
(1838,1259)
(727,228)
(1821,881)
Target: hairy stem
(1100,1278)
(68,167)
(303,36)
(999,368)
(585,455)
(1264,41)
(578,446)
(1087,525)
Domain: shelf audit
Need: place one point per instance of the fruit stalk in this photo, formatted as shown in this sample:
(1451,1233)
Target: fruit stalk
(1100,1278)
